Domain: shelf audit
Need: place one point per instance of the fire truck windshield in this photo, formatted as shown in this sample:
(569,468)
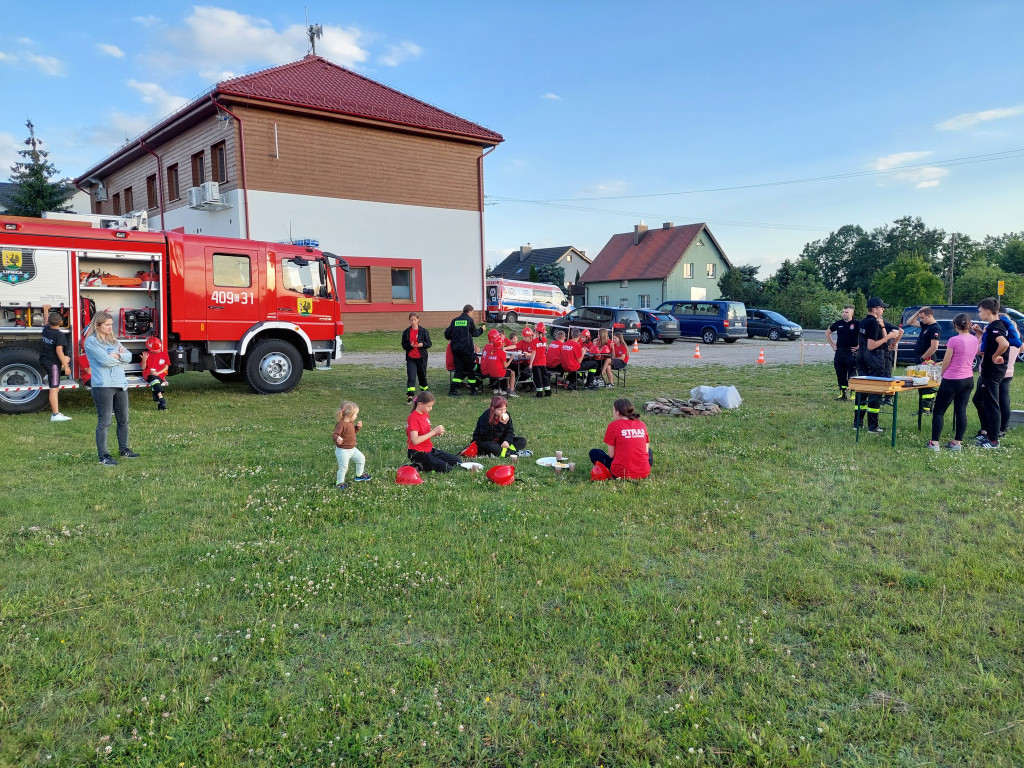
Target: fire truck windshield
(309,279)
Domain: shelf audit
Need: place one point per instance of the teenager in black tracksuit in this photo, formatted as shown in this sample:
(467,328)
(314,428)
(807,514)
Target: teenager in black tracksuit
(872,361)
(415,342)
(494,434)
(460,333)
(994,344)
(847,331)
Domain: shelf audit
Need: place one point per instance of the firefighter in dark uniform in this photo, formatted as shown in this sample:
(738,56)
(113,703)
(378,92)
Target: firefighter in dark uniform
(845,346)
(871,361)
(925,348)
(460,333)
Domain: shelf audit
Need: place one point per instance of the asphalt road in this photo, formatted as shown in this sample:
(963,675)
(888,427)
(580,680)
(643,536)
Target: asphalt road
(658,355)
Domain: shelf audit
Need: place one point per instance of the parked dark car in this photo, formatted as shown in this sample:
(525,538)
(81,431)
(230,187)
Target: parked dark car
(905,354)
(708,320)
(615,319)
(949,311)
(765,322)
(657,325)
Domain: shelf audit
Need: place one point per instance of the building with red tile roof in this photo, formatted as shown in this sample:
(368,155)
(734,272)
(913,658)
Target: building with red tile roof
(312,150)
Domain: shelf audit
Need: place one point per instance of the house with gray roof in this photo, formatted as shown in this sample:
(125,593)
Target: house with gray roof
(516,266)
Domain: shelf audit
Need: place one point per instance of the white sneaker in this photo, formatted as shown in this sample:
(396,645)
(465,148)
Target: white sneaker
(472,466)
(59,417)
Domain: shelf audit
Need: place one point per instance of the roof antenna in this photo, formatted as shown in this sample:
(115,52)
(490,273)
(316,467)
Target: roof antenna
(313,32)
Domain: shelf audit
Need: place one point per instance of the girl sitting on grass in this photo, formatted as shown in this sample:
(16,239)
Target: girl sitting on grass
(421,451)
(494,434)
(629,453)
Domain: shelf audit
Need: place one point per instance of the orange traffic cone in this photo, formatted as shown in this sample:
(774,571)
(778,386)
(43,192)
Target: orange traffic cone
(696,352)
(636,346)
(760,357)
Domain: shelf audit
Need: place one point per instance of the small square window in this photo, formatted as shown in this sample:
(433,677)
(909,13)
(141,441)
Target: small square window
(357,284)
(687,271)
(711,270)
(401,285)
(623,283)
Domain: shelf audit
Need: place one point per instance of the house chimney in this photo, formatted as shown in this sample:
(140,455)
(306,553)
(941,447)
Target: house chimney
(525,251)
(667,225)
(638,233)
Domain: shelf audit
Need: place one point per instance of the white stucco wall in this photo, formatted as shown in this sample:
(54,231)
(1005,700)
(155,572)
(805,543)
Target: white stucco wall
(227,223)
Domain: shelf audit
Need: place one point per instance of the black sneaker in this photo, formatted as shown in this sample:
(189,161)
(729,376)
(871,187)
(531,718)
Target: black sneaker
(162,405)
(842,397)
(129,454)
(108,461)
(539,394)
(547,393)
(454,393)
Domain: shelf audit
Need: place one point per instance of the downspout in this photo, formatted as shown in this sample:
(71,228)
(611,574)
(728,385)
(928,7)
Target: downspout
(241,151)
(159,182)
(483,262)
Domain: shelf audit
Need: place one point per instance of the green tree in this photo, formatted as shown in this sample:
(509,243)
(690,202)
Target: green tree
(534,277)
(35,192)
(550,273)
(832,256)
(741,284)
(1012,257)
(860,303)
(979,281)
(907,281)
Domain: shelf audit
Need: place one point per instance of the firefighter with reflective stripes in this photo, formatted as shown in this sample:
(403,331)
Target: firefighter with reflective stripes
(845,346)
(925,348)
(871,361)
(460,333)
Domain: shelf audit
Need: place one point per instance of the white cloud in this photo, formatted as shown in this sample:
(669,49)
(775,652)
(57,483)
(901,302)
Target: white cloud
(26,41)
(118,129)
(900,158)
(163,102)
(9,147)
(147,21)
(48,65)
(615,187)
(217,75)
(110,50)
(552,97)
(214,39)
(396,54)
(7,56)
(970,119)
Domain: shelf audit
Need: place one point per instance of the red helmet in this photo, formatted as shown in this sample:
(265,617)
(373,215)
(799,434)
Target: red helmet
(407,475)
(584,334)
(540,327)
(493,335)
(470,450)
(153,344)
(600,472)
(527,332)
(502,474)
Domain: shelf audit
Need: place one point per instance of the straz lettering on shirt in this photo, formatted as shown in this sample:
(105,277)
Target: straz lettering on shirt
(632,433)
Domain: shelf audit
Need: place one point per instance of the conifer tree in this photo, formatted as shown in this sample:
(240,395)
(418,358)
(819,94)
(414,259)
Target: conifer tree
(35,192)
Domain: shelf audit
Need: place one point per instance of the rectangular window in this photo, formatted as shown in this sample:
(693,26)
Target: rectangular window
(645,301)
(623,303)
(117,203)
(357,284)
(604,301)
(173,189)
(151,201)
(129,200)
(231,271)
(687,270)
(623,283)
(401,285)
(198,169)
(219,158)
(711,270)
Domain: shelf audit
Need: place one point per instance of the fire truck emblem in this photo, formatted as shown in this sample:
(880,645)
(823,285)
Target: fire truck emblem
(17,266)
(305,306)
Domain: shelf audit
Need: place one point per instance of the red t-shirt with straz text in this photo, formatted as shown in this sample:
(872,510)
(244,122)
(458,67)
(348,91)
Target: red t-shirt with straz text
(571,356)
(419,423)
(629,439)
(554,354)
(621,350)
(540,346)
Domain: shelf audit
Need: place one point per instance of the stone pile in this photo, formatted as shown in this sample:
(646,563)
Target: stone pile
(671,406)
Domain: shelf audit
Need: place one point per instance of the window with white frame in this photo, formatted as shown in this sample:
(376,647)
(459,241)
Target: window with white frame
(645,301)
(623,303)
(711,270)
(604,301)
(687,270)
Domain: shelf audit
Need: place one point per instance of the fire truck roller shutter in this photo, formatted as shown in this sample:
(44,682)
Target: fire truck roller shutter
(19,367)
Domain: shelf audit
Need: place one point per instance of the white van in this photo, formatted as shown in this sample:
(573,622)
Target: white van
(513,301)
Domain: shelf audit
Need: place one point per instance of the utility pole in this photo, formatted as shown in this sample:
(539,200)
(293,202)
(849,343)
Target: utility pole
(952,256)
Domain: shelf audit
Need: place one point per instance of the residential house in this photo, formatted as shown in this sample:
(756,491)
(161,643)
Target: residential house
(516,266)
(642,268)
(78,202)
(311,150)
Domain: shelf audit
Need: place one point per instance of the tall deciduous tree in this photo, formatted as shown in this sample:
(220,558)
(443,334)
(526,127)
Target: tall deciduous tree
(35,192)
(832,256)
(908,281)
(741,284)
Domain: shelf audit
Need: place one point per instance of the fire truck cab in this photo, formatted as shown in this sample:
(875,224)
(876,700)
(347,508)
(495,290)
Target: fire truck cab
(243,310)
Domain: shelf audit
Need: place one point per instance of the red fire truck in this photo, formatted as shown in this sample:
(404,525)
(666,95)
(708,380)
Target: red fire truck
(241,309)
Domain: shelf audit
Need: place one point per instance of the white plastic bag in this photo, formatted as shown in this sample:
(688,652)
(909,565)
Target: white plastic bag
(726,397)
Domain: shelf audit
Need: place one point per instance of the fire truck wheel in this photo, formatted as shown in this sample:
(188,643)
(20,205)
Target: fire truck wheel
(19,367)
(229,378)
(273,366)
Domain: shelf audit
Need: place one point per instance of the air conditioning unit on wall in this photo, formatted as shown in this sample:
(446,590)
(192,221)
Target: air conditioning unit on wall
(195,197)
(210,192)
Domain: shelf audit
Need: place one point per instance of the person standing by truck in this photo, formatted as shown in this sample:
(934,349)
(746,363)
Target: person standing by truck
(107,359)
(461,333)
(54,359)
(847,331)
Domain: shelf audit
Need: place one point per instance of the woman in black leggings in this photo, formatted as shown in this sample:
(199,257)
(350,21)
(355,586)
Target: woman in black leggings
(957,383)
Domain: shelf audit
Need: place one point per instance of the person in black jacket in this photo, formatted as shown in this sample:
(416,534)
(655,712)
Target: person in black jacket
(495,435)
(872,361)
(460,333)
(415,342)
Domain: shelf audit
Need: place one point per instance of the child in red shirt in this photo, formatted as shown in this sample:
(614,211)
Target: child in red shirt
(420,450)
(539,347)
(629,453)
(154,369)
(572,355)
(494,363)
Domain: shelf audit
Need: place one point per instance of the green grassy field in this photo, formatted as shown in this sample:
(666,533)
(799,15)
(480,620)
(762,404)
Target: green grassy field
(773,595)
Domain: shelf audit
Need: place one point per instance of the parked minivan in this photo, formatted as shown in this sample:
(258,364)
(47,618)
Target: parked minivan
(709,320)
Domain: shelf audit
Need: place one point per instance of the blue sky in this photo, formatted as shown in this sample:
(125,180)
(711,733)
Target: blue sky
(611,112)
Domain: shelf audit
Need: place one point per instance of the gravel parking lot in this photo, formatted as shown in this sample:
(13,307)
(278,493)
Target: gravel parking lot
(659,355)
